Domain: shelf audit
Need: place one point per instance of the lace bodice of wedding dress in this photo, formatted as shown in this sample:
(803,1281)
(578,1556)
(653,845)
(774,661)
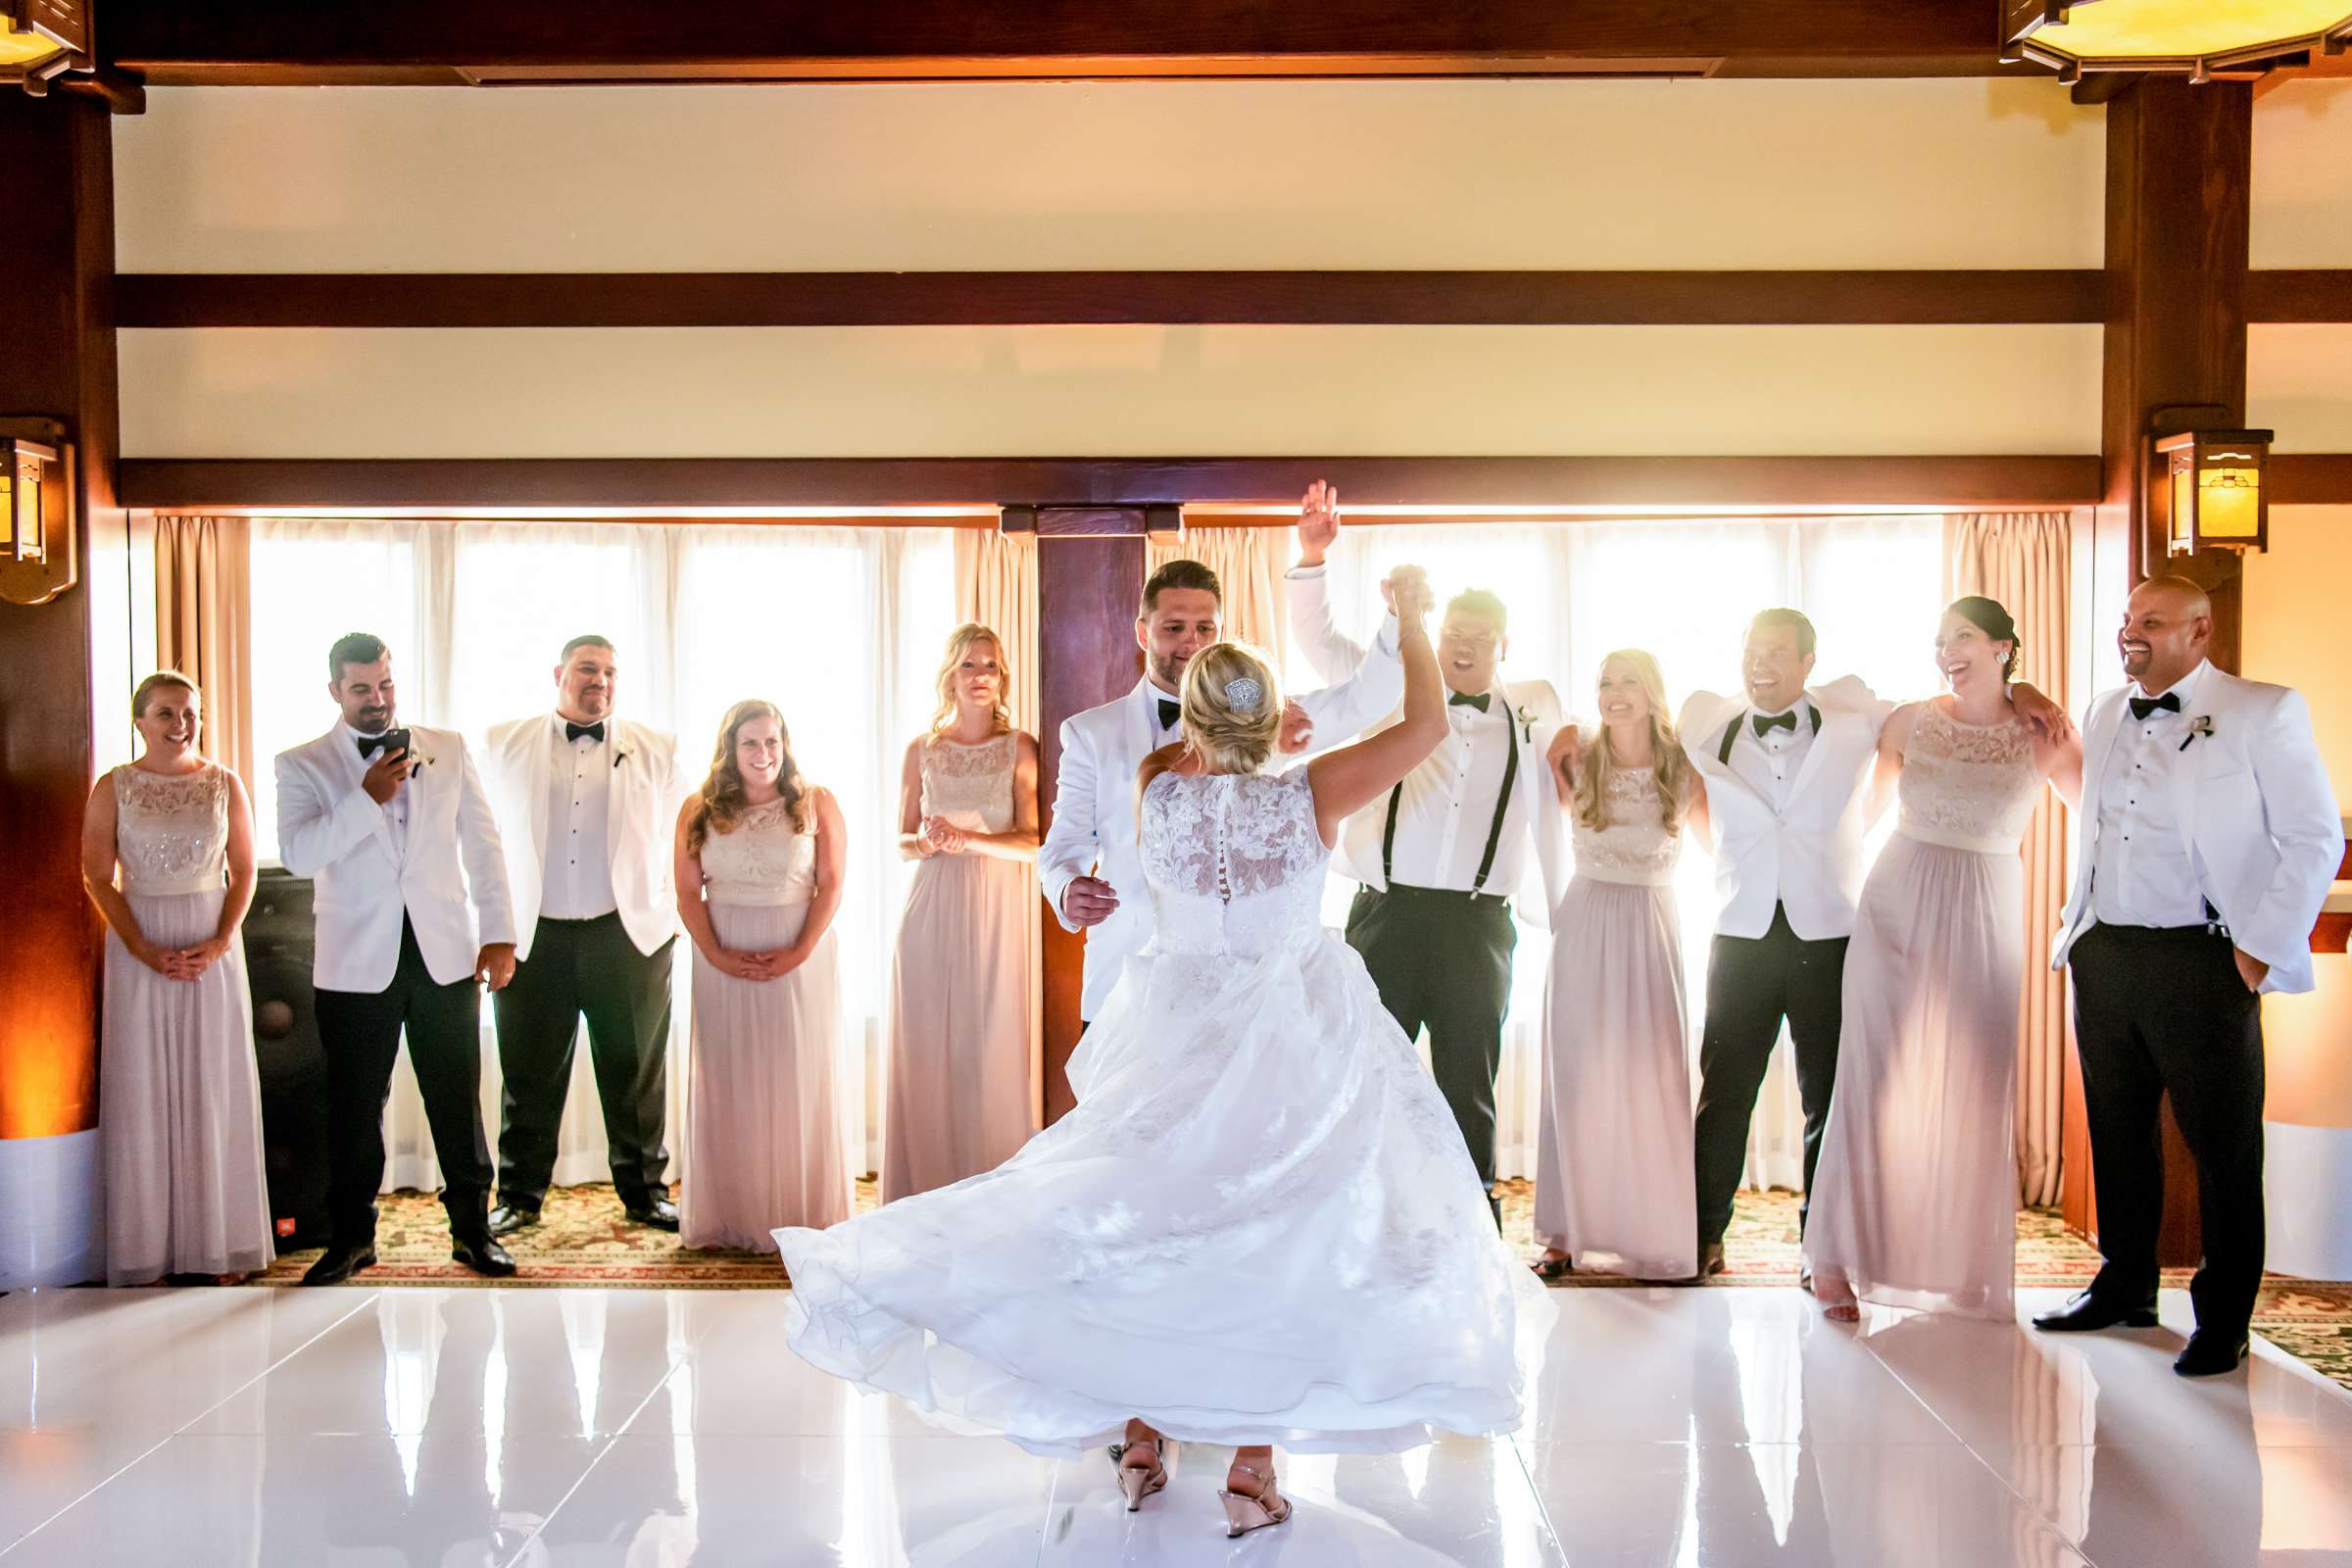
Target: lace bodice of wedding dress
(971,786)
(1967,786)
(1235,861)
(1634,849)
(765,860)
(171,829)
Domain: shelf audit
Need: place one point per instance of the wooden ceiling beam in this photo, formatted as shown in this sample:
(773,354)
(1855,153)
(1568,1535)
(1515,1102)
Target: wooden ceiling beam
(169,41)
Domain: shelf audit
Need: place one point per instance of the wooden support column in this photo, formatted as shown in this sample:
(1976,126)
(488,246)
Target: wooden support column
(2179,159)
(1090,578)
(57,361)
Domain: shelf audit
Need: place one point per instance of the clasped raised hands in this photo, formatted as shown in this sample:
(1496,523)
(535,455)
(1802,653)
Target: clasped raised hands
(1406,592)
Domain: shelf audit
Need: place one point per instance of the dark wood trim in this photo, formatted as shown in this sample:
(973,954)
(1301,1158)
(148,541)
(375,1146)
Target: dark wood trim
(2299,294)
(2310,478)
(626,486)
(2334,933)
(992,299)
(169,43)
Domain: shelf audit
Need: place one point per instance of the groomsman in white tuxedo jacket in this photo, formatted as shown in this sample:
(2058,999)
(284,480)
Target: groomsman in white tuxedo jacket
(2204,850)
(1088,867)
(1440,861)
(585,804)
(396,833)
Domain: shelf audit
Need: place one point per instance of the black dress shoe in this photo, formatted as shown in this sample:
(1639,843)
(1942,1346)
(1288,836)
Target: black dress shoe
(2087,1313)
(482,1255)
(1710,1263)
(339,1263)
(507,1218)
(2209,1353)
(655,1214)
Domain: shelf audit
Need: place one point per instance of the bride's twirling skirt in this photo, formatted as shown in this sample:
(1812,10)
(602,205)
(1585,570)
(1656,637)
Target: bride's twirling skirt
(1258,1226)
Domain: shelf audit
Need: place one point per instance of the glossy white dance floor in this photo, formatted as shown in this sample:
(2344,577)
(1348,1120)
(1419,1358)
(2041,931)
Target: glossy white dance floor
(1682,1429)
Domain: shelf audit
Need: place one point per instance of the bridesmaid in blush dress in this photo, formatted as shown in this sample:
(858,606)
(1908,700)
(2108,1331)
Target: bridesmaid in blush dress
(1614,1190)
(961,1025)
(181,1117)
(760,857)
(1915,1197)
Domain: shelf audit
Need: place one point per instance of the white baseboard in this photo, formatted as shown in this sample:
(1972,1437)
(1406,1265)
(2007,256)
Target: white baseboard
(52,1199)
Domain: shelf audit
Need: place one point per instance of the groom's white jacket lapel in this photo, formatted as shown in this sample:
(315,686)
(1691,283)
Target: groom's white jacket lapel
(640,809)
(2253,800)
(1094,828)
(444,871)
(1803,852)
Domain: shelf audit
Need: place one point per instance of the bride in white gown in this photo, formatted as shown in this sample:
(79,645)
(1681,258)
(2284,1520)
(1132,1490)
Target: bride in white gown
(1259,1225)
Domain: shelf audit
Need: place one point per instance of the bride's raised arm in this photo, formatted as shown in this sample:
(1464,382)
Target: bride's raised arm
(1348,779)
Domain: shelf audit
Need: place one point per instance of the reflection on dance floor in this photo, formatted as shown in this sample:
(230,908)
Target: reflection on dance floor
(645,1429)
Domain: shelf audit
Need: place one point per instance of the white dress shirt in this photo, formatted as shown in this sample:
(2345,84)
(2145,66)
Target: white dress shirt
(1768,761)
(1446,811)
(2143,874)
(395,809)
(576,878)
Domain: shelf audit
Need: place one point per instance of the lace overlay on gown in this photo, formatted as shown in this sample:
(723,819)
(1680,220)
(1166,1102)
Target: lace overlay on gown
(171,829)
(971,786)
(1258,1225)
(1967,786)
(765,860)
(1634,849)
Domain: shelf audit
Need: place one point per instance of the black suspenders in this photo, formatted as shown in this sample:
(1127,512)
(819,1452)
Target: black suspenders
(1502,808)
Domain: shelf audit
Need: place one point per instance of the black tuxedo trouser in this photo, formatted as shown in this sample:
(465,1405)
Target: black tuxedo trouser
(585,967)
(1753,983)
(360,1031)
(1443,959)
(2157,1011)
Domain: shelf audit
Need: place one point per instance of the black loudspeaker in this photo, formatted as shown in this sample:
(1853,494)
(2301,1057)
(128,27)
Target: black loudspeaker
(278,936)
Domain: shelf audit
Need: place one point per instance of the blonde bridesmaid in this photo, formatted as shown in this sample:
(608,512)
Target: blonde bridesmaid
(1614,1191)
(959,1099)
(759,858)
(181,1114)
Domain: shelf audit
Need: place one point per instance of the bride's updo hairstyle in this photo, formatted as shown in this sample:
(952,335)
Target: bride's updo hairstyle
(1232,708)
(1988,617)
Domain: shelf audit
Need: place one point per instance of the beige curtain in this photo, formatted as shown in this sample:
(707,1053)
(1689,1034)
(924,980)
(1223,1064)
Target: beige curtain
(204,624)
(1249,564)
(2022,560)
(995,585)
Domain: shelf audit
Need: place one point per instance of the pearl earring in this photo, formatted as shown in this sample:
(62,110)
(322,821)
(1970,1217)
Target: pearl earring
(2004,655)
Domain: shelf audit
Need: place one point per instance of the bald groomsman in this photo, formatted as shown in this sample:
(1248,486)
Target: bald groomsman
(585,802)
(2207,839)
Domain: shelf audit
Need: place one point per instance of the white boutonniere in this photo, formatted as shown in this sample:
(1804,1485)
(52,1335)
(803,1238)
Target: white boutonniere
(2200,726)
(1526,724)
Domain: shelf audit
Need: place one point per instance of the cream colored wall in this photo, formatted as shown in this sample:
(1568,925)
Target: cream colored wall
(1110,391)
(1476,174)
(2299,383)
(1139,175)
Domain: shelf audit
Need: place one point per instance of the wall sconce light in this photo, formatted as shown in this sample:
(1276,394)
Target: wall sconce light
(38,556)
(2207,490)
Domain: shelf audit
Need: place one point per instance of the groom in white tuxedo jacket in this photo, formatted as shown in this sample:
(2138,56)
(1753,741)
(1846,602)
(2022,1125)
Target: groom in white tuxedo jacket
(396,833)
(2204,850)
(586,802)
(1088,867)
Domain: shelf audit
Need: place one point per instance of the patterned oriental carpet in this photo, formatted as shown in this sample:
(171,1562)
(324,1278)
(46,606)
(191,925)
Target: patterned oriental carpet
(583,1239)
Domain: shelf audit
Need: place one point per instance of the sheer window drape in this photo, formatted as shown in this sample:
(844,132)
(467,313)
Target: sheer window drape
(840,627)
(995,585)
(1684,592)
(2023,560)
(203,625)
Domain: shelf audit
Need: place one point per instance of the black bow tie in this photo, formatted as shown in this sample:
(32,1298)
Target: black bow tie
(1169,713)
(1765,725)
(369,744)
(572,732)
(1477,699)
(2142,706)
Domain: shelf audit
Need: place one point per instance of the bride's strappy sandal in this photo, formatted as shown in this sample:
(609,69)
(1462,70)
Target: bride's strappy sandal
(1139,1480)
(1245,1513)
